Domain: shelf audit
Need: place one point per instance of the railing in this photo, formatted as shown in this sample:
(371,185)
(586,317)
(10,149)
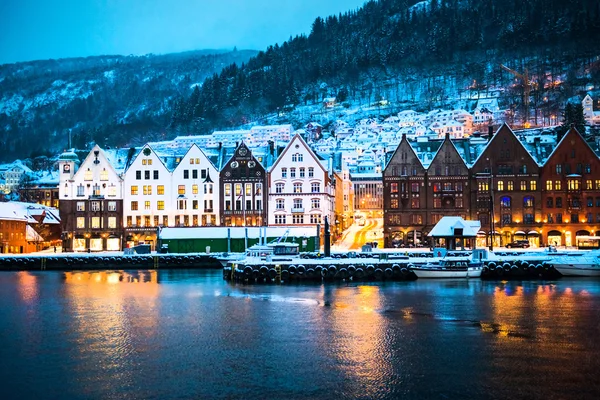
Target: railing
(298,209)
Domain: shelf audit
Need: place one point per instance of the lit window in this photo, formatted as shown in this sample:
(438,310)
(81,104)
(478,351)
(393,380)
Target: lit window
(134,206)
(112,206)
(160,189)
(95,222)
(146,205)
(80,222)
(112,222)
(228,189)
(548,185)
(134,190)
(80,206)
(88,175)
(181,189)
(194,189)
(160,205)
(104,175)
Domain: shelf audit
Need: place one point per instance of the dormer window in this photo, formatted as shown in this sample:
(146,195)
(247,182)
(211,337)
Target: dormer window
(104,175)
(88,175)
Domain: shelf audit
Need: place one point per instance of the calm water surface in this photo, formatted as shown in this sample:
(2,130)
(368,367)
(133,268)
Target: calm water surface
(180,334)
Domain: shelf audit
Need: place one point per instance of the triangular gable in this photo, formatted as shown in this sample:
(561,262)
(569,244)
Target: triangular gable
(141,153)
(297,137)
(501,132)
(447,142)
(189,151)
(572,132)
(405,142)
(234,155)
(90,156)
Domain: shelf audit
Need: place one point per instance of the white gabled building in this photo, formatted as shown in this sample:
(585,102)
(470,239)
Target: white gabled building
(195,191)
(591,117)
(147,197)
(90,202)
(300,189)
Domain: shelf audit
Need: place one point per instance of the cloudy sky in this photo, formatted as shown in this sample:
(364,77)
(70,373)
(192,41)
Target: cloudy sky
(42,29)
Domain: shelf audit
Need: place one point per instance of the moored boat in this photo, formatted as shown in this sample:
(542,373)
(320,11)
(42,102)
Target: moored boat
(448,268)
(587,264)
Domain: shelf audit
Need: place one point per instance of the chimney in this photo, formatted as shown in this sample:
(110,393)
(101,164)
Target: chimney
(447,135)
(220,145)
(272,147)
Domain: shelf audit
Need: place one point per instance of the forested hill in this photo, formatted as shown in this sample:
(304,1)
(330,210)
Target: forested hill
(112,100)
(390,37)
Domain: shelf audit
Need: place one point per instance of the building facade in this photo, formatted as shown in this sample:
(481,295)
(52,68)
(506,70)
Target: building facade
(301,192)
(91,203)
(243,190)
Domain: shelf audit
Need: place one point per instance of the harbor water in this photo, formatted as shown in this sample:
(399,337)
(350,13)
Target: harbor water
(191,335)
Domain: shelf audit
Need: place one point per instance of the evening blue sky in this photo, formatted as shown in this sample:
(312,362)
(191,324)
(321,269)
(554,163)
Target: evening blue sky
(43,29)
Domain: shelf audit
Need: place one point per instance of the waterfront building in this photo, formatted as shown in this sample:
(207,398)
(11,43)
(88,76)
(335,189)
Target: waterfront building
(300,188)
(404,191)
(91,202)
(42,189)
(570,190)
(244,189)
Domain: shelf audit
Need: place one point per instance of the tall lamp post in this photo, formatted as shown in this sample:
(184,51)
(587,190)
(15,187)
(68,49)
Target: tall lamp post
(492,225)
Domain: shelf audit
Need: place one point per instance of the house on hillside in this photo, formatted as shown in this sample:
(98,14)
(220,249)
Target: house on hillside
(592,117)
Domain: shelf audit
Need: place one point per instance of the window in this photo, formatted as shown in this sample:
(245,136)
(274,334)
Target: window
(298,218)
(238,189)
(458,202)
(588,184)
(104,175)
(297,157)
(258,188)
(557,185)
(112,222)
(279,187)
(208,205)
(160,205)
(249,204)
(559,218)
(182,204)
(297,188)
(95,206)
(505,202)
(573,184)
(533,186)
(134,206)
(559,202)
(559,169)
(482,186)
(437,203)
(588,169)
(597,201)
(165,220)
(258,205)
(194,189)
(96,190)
(147,205)
(155,174)
(550,202)
(506,218)
(393,187)
(134,190)
(227,205)
(315,187)
(112,206)
(284,172)
(195,174)
(315,203)
(280,219)
(88,175)
(302,172)
(315,219)
(590,202)
(415,203)
(528,202)
(147,189)
(500,186)
(95,222)
(81,206)
(459,187)
(297,204)
(394,203)
(186,174)
(194,204)
(112,191)
(248,189)
(191,161)
(548,185)
(292,172)
(414,187)
(311,172)
(279,204)
(416,219)
(80,222)
(81,190)
(227,189)
(146,174)
(181,189)
(160,189)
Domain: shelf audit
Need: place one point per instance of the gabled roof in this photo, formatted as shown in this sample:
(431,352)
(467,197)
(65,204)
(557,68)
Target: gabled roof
(141,152)
(403,140)
(446,226)
(189,150)
(101,153)
(506,130)
(447,142)
(297,137)
(572,131)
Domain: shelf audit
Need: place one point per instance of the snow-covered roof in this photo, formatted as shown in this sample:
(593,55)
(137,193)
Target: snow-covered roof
(447,225)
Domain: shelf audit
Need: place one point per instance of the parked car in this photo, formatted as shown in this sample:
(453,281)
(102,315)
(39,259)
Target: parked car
(518,243)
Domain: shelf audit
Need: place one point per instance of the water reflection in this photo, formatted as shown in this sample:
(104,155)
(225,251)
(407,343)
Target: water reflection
(27,286)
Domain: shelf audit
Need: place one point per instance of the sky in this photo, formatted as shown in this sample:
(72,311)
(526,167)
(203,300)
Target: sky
(43,29)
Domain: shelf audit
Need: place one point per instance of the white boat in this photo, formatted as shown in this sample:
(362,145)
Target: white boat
(271,251)
(448,268)
(587,264)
